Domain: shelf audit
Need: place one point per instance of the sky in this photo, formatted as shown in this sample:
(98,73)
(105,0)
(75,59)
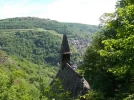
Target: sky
(76,11)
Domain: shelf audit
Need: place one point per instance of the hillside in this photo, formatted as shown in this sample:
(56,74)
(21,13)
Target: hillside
(38,40)
(29,52)
(33,22)
(22,79)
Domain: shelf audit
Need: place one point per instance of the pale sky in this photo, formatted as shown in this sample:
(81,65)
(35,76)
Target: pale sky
(78,11)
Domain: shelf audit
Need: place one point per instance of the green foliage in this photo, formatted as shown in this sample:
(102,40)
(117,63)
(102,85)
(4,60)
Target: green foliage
(31,45)
(41,44)
(38,40)
(33,22)
(93,95)
(38,47)
(124,3)
(57,92)
(108,62)
(130,97)
(24,80)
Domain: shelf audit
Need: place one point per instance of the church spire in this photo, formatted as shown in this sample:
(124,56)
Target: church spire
(65,52)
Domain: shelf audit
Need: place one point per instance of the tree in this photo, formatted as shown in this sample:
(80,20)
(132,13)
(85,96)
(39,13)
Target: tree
(108,62)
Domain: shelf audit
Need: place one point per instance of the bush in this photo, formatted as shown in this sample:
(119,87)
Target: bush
(93,95)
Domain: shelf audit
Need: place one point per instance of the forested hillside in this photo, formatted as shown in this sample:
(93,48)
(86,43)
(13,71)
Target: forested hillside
(33,22)
(39,40)
(23,80)
(30,55)
(36,46)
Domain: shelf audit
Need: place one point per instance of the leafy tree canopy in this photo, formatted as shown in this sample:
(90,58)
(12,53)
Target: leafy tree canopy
(108,62)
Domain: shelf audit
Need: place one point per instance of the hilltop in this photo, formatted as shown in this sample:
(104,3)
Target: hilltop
(34,22)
